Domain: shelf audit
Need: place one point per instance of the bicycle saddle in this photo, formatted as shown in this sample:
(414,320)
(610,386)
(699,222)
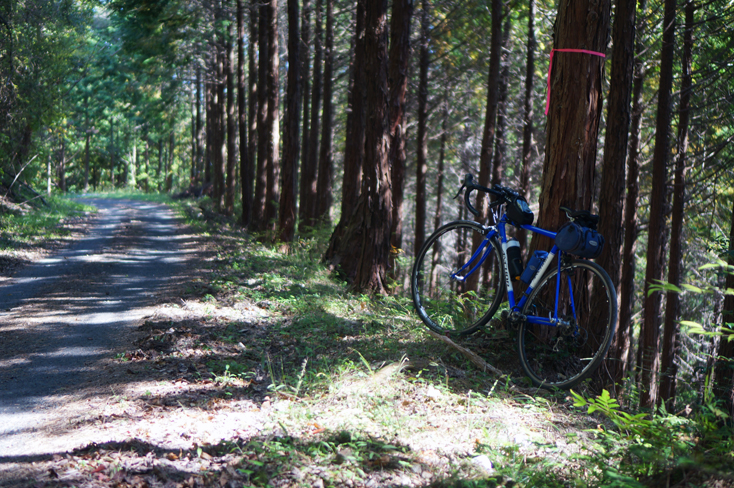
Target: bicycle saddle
(582,215)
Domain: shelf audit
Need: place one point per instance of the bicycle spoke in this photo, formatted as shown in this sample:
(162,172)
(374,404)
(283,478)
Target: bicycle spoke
(563,356)
(456,288)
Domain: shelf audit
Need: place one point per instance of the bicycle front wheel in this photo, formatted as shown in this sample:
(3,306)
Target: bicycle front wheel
(450,293)
(562,356)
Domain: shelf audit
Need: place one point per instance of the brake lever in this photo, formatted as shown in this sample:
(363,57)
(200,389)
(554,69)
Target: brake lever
(459,193)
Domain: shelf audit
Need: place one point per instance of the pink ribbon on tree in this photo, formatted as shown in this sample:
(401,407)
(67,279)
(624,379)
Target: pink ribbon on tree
(550,67)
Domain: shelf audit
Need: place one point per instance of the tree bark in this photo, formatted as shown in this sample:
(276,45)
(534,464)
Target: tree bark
(261,173)
(398,66)
(209,125)
(311,159)
(198,141)
(160,163)
(421,167)
(656,229)
(287,213)
(441,157)
(490,120)
(490,125)
(527,130)
(273,115)
(246,173)
(62,166)
(169,166)
(354,143)
(231,127)
(219,121)
(611,198)
(305,56)
(364,252)
(88,136)
(575,112)
(354,146)
(621,351)
(252,111)
(498,160)
(668,367)
(326,166)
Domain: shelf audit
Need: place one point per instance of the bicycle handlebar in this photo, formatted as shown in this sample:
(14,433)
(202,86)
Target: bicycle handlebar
(470,186)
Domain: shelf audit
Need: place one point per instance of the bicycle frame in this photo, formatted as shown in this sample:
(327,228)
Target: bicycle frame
(485,248)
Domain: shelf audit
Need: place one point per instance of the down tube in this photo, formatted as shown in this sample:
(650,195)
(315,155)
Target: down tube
(480,250)
(539,274)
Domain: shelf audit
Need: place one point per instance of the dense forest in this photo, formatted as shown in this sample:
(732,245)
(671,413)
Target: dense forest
(359,118)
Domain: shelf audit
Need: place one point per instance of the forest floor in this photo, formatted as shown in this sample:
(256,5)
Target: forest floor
(260,369)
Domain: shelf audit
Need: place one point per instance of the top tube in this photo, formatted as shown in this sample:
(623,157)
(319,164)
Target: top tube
(538,230)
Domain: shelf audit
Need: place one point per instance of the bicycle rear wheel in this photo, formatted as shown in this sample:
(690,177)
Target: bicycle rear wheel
(446,300)
(563,356)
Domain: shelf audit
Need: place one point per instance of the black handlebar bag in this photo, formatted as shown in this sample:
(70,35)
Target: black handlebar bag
(579,240)
(518,211)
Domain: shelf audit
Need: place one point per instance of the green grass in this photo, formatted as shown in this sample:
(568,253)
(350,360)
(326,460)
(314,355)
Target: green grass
(355,393)
(40,224)
(125,194)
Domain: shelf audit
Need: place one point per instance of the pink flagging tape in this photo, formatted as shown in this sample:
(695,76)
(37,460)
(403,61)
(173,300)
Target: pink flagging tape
(550,67)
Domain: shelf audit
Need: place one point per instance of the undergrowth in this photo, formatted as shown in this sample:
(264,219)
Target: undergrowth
(39,223)
(334,347)
(357,394)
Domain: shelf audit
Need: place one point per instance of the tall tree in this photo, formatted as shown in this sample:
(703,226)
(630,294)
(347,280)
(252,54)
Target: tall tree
(611,198)
(621,350)
(500,146)
(421,167)
(354,143)
(305,57)
(398,66)
(490,125)
(668,367)
(441,161)
(490,119)
(527,115)
(261,172)
(310,160)
(574,110)
(656,227)
(87,139)
(287,213)
(326,164)
(271,122)
(252,106)
(246,170)
(354,140)
(231,125)
(218,126)
(364,251)
(198,136)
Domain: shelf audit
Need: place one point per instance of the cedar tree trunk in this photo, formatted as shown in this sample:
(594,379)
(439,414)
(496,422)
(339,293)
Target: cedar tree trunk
(364,251)
(287,213)
(656,229)
(668,368)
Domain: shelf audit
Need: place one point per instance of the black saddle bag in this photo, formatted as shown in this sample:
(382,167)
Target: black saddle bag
(584,242)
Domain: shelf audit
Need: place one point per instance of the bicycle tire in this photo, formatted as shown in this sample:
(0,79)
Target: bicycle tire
(558,357)
(450,306)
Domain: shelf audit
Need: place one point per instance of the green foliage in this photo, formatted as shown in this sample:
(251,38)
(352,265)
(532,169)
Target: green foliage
(721,268)
(642,448)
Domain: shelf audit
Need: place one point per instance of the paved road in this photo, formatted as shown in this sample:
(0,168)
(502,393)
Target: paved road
(60,317)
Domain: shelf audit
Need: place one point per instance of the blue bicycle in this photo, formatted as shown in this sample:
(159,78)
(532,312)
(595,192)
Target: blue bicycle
(567,313)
